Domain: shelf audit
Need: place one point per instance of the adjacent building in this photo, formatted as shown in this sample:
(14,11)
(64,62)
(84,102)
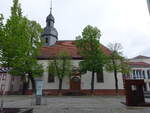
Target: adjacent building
(140,66)
(8,83)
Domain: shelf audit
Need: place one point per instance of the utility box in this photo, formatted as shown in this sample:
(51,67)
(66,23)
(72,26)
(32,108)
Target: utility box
(134,92)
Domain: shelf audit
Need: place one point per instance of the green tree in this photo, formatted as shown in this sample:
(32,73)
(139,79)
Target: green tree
(60,66)
(20,45)
(89,48)
(116,62)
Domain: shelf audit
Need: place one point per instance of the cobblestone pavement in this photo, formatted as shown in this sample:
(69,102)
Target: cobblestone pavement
(79,104)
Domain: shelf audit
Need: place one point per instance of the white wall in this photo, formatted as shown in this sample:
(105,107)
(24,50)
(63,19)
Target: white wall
(109,81)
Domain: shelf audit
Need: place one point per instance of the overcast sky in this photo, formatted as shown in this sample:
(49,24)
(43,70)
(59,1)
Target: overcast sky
(122,21)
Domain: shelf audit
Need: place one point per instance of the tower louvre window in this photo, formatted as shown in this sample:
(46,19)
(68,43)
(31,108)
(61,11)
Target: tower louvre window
(46,40)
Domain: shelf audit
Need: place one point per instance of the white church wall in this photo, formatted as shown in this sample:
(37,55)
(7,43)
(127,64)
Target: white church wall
(55,84)
(109,81)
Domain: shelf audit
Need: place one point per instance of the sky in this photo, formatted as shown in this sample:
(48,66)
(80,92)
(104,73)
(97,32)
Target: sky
(120,21)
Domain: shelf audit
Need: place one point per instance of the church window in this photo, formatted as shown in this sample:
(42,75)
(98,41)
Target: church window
(100,77)
(51,78)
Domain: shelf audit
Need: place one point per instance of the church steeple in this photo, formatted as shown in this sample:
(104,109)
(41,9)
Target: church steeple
(50,34)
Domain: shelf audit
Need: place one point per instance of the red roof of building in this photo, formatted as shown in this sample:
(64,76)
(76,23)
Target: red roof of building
(69,46)
(141,57)
(139,64)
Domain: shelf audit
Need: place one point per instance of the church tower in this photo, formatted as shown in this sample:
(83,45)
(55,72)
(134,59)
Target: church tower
(50,34)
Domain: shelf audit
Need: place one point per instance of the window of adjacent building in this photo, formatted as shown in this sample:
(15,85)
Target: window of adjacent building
(137,73)
(100,76)
(148,74)
(51,78)
(134,75)
(140,74)
(143,73)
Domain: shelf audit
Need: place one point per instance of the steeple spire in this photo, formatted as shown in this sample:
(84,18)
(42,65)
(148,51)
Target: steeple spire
(51,7)
(50,34)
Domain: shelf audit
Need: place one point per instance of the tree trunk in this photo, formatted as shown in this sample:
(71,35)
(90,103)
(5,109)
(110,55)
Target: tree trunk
(24,88)
(92,83)
(116,80)
(24,85)
(33,83)
(115,75)
(60,86)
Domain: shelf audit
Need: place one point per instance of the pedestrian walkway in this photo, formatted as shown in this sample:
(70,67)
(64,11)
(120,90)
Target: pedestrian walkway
(76,104)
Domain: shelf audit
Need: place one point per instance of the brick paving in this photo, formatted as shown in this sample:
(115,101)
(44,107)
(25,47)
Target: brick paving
(79,104)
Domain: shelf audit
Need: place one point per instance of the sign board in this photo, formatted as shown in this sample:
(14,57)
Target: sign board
(39,87)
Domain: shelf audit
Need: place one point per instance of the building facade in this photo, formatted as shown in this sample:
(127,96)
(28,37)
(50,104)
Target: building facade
(140,67)
(9,84)
(104,82)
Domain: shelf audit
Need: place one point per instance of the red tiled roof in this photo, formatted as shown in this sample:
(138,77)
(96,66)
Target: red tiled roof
(139,64)
(69,46)
(141,57)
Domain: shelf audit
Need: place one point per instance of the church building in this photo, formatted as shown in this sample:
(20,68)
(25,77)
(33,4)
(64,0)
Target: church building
(104,82)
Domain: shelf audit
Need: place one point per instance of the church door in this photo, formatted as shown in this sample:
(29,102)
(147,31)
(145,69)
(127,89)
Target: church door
(75,83)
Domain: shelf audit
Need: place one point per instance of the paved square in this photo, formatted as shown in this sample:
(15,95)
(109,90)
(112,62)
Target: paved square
(75,104)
